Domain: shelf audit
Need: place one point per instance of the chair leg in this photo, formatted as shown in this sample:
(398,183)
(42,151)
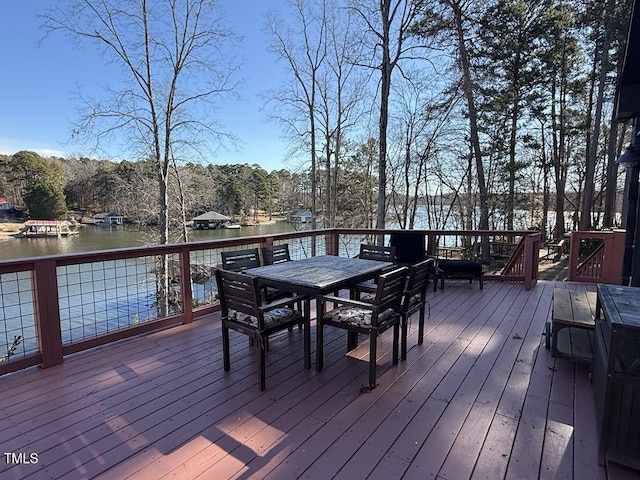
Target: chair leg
(319,344)
(226,354)
(261,365)
(373,357)
(352,340)
(405,333)
(307,335)
(421,326)
(396,334)
(266,342)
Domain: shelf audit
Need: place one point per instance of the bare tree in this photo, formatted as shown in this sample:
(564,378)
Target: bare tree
(342,87)
(304,51)
(422,114)
(389,23)
(175,67)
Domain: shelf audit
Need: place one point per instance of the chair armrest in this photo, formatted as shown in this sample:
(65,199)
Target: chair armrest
(283,302)
(346,301)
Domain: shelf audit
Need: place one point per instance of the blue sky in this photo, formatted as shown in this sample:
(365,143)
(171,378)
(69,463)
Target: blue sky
(39,85)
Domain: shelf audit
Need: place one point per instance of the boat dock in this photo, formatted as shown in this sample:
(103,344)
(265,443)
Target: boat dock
(46,228)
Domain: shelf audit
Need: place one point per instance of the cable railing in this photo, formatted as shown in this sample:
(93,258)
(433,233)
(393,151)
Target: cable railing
(53,306)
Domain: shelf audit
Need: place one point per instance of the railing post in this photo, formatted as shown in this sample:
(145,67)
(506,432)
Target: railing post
(614,255)
(531,256)
(573,256)
(432,247)
(267,242)
(331,242)
(186,290)
(47,312)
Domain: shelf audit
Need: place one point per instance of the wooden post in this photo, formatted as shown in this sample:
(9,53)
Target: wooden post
(614,256)
(331,242)
(573,257)
(185,284)
(47,312)
(431,244)
(531,257)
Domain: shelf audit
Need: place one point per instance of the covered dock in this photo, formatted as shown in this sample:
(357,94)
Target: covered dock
(46,228)
(209,220)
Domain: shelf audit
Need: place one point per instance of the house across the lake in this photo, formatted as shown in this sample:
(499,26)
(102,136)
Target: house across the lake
(4,205)
(109,218)
(300,216)
(209,220)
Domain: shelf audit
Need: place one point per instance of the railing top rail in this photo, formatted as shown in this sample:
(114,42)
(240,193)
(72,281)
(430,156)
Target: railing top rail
(17,264)
(595,233)
(441,232)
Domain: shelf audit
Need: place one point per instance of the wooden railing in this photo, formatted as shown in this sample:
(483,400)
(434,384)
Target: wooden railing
(59,305)
(596,257)
(523,262)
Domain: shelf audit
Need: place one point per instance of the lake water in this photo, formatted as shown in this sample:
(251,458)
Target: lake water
(91,238)
(102,297)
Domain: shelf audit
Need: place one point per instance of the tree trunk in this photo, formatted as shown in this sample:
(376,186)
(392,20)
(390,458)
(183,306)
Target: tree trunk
(473,124)
(385,88)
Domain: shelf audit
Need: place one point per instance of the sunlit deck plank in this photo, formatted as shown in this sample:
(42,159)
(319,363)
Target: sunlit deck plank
(354,429)
(501,350)
(454,395)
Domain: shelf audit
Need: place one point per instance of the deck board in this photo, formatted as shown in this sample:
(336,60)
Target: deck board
(481,398)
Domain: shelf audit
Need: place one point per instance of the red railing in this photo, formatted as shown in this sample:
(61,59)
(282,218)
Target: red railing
(596,257)
(63,304)
(523,262)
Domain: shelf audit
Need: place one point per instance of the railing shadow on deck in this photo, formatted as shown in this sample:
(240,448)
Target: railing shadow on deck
(55,306)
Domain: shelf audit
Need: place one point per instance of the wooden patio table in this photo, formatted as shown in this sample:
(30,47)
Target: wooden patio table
(319,275)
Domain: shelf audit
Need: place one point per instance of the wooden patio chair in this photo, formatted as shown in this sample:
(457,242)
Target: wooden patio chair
(377,252)
(240,260)
(372,252)
(367,318)
(244,311)
(415,299)
(272,254)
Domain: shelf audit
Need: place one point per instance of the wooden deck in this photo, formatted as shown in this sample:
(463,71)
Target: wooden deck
(481,398)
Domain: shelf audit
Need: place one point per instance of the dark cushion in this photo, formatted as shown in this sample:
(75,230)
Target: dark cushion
(460,266)
(409,245)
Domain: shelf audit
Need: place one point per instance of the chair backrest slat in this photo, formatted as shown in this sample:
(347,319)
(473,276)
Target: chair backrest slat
(418,277)
(238,291)
(240,260)
(376,252)
(390,290)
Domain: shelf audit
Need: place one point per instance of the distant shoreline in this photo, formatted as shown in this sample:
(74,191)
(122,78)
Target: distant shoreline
(9,229)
